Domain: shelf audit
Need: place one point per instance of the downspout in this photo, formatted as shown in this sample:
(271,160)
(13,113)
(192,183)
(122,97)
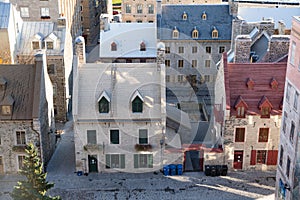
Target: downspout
(40,145)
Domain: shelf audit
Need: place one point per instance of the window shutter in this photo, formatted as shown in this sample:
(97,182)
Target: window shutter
(272,157)
(136,160)
(253,157)
(150,161)
(107,159)
(122,161)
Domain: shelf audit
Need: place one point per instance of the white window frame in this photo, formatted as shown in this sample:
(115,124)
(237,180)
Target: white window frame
(24,11)
(45,12)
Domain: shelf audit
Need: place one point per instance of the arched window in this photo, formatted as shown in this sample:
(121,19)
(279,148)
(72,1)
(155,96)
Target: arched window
(204,16)
(113,46)
(184,16)
(175,33)
(142,46)
(215,33)
(195,33)
(137,105)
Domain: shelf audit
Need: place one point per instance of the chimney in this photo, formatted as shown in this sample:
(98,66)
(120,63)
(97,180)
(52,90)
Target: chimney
(61,22)
(242,49)
(104,22)
(233,7)
(281,27)
(80,50)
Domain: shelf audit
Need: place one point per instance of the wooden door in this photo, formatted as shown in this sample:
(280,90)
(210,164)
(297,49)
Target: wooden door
(238,160)
(93,163)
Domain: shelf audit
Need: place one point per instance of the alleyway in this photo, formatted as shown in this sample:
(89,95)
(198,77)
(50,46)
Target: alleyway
(63,159)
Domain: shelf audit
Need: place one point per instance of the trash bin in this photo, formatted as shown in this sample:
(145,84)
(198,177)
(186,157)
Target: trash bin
(179,169)
(219,170)
(79,173)
(207,170)
(213,170)
(224,170)
(166,170)
(172,170)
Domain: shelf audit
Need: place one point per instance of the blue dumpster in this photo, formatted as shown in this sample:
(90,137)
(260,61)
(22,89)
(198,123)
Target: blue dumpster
(166,170)
(172,170)
(179,169)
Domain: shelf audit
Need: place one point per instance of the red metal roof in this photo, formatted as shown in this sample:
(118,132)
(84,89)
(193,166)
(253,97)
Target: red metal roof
(236,76)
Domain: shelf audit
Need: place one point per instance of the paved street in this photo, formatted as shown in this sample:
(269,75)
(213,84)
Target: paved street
(194,185)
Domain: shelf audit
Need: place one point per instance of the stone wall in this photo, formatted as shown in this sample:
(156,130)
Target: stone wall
(128,138)
(251,125)
(8,148)
(242,49)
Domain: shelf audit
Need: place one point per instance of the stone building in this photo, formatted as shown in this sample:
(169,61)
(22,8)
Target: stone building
(137,11)
(56,41)
(195,38)
(119,115)
(288,169)
(26,113)
(253,97)
(49,11)
(10,25)
(90,18)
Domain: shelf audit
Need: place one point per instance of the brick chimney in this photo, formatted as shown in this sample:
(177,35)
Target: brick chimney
(242,49)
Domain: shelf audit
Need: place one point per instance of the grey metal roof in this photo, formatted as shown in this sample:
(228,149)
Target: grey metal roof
(217,16)
(43,29)
(4,14)
(23,85)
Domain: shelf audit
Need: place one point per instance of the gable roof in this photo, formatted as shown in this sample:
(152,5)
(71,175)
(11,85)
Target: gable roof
(5,14)
(217,16)
(236,76)
(23,83)
(265,101)
(240,101)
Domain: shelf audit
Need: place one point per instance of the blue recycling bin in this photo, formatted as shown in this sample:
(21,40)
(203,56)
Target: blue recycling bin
(179,169)
(166,170)
(172,170)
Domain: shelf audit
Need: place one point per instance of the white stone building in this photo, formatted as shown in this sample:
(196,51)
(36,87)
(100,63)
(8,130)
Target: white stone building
(119,115)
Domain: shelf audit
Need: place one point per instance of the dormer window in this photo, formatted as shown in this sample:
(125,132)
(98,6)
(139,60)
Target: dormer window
(195,33)
(6,105)
(137,102)
(49,45)
(113,46)
(250,83)
(204,16)
(142,46)
(3,83)
(274,84)
(265,107)
(6,110)
(184,16)
(35,45)
(103,103)
(241,107)
(215,33)
(175,33)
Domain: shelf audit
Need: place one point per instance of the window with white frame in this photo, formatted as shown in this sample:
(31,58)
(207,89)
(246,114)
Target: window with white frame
(293,53)
(143,136)
(180,78)
(288,91)
(49,45)
(143,160)
(207,63)
(35,45)
(91,136)
(127,8)
(150,9)
(139,9)
(20,138)
(194,63)
(24,11)
(115,161)
(45,12)
(296,97)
